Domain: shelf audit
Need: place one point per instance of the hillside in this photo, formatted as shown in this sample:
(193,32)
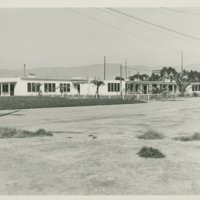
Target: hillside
(112,70)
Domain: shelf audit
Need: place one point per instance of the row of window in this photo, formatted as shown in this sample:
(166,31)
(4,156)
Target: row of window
(64,87)
(196,88)
(33,87)
(48,87)
(113,87)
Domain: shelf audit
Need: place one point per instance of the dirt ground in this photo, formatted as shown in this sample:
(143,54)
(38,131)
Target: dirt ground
(74,163)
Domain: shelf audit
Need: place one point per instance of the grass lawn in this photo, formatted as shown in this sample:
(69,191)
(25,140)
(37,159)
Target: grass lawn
(96,150)
(7,103)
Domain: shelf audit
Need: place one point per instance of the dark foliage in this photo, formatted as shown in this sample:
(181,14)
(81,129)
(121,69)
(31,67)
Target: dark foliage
(149,152)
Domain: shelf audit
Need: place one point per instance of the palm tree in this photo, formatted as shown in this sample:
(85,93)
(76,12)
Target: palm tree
(97,83)
(182,82)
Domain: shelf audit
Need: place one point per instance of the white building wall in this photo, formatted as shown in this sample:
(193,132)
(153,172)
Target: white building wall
(21,88)
(90,89)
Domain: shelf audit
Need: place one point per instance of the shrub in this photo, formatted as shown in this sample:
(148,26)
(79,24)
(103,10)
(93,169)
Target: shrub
(7,132)
(194,94)
(149,152)
(194,137)
(42,132)
(14,133)
(151,135)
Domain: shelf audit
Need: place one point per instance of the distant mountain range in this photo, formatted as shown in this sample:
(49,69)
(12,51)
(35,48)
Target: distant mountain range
(112,70)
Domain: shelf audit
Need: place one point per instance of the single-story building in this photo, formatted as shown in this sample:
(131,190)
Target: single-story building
(32,86)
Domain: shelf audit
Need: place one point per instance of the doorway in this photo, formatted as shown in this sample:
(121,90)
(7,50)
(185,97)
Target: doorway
(12,89)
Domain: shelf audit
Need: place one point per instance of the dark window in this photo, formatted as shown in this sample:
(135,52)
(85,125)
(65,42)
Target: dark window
(68,87)
(61,87)
(109,87)
(136,88)
(118,87)
(5,88)
(29,87)
(53,87)
(49,87)
(33,87)
(65,87)
(37,87)
(113,87)
(46,87)
(170,88)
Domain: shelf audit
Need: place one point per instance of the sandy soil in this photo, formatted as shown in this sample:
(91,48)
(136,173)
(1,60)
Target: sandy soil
(73,163)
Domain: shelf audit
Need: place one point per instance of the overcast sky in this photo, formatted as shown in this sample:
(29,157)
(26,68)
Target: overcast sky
(62,37)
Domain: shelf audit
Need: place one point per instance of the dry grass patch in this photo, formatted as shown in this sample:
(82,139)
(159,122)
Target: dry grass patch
(151,135)
(193,137)
(149,152)
(17,133)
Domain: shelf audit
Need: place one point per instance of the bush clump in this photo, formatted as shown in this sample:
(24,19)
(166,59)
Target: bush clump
(14,133)
(149,152)
(194,94)
(151,135)
(193,137)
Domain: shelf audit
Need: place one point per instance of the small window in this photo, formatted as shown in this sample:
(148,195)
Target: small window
(118,87)
(137,88)
(33,87)
(61,87)
(29,87)
(65,87)
(49,89)
(112,87)
(108,87)
(37,87)
(53,87)
(46,87)
(5,88)
(68,87)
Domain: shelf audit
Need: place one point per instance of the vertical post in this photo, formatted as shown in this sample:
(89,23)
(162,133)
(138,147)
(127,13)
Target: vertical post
(24,70)
(121,79)
(181,73)
(104,67)
(8,89)
(126,68)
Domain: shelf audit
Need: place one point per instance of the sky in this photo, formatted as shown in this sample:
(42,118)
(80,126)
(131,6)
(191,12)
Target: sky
(68,37)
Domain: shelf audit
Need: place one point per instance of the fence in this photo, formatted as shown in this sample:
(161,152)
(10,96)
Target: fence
(144,97)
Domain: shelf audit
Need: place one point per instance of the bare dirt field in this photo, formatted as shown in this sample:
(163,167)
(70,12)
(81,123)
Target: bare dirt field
(94,150)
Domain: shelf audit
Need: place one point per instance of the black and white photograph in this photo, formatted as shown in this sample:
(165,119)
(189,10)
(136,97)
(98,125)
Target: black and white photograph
(100,100)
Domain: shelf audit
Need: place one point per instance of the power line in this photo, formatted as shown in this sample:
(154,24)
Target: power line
(155,25)
(181,11)
(124,31)
(125,18)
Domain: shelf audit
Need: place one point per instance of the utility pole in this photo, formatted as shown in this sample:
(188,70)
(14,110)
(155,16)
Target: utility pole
(24,70)
(182,63)
(126,68)
(121,79)
(182,72)
(104,68)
